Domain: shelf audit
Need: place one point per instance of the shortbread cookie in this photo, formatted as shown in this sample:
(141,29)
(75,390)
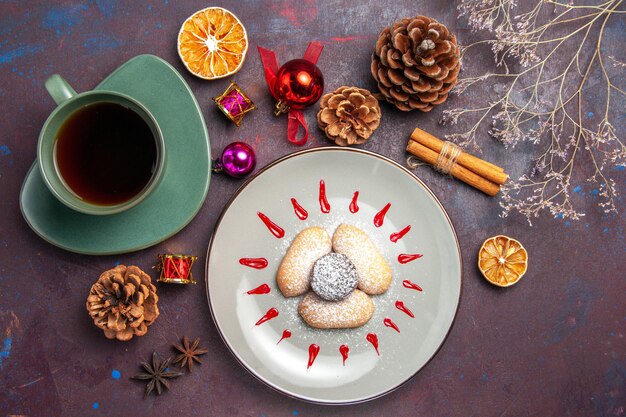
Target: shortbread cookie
(374,271)
(294,273)
(353,311)
(334,277)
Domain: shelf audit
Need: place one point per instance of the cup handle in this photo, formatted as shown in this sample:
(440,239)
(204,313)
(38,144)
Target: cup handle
(59,89)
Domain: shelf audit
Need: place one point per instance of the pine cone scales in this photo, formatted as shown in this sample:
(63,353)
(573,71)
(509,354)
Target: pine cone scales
(123,302)
(416,63)
(349,115)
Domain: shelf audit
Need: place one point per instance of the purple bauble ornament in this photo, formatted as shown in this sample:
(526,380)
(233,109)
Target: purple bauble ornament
(237,160)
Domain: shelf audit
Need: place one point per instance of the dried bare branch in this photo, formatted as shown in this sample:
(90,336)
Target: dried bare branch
(555,49)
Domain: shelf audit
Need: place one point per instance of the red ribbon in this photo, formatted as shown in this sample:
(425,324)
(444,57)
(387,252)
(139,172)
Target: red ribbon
(296,117)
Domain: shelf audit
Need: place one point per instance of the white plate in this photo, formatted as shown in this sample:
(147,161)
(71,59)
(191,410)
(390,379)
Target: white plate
(240,233)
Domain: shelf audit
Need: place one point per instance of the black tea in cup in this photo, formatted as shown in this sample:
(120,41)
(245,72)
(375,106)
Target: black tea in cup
(106,153)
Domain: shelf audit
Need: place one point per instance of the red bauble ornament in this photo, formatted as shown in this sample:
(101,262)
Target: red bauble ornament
(299,84)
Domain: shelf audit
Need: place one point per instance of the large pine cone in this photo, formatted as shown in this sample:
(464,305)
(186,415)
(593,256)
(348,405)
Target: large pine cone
(416,63)
(349,115)
(123,302)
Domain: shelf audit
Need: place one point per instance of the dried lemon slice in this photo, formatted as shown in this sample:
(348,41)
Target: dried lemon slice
(502,260)
(212,43)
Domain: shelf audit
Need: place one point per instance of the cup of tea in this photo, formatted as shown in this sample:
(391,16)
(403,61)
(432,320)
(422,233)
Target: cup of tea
(99,152)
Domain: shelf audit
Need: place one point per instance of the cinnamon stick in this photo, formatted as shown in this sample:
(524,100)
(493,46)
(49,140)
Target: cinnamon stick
(483,168)
(458,171)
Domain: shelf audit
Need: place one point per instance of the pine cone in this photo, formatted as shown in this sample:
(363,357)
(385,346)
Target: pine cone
(123,302)
(349,115)
(416,63)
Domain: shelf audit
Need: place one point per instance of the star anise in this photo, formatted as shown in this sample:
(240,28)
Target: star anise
(189,353)
(156,374)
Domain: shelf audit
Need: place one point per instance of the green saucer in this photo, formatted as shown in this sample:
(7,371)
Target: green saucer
(159,87)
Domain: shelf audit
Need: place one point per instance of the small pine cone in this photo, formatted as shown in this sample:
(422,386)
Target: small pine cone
(349,115)
(416,63)
(123,302)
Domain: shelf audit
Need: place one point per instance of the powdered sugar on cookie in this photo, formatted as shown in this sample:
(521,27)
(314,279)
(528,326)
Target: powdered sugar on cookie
(374,272)
(309,245)
(334,277)
(353,311)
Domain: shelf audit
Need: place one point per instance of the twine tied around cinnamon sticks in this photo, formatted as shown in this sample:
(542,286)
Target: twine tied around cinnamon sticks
(448,158)
(445,161)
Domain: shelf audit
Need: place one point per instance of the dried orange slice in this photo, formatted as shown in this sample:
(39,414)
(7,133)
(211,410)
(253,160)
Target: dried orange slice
(502,260)
(212,43)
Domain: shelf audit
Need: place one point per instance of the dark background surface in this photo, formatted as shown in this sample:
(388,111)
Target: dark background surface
(553,345)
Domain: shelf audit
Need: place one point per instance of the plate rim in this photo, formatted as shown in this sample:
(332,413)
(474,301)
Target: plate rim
(295,155)
(146,57)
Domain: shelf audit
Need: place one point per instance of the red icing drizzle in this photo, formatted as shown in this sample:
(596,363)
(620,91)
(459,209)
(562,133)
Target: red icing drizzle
(313,351)
(400,306)
(299,210)
(324,204)
(273,227)
(286,335)
(257,263)
(261,289)
(404,258)
(380,216)
(373,339)
(344,349)
(387,322)
(394,237)
(354,206)
(271,313)
(411,285)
